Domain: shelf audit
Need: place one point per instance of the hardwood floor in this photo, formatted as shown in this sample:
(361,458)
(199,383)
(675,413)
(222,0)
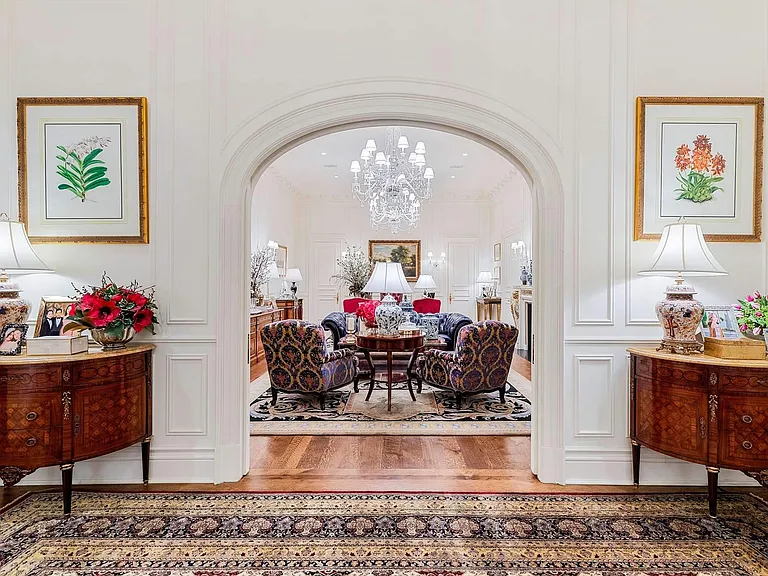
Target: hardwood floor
(258,369)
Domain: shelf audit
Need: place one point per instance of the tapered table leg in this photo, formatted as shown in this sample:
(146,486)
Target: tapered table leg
(635,463)
(145,460)
(389,380)
(712,490)
(66,485)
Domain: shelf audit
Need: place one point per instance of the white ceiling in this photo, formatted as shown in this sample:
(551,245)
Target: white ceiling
(312,173)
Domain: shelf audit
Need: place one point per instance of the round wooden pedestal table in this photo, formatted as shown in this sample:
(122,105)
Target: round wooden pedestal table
(388,344)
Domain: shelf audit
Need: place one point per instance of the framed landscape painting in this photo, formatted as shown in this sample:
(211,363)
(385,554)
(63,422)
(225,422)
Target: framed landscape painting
(83,169)
(407,252)
(700,159)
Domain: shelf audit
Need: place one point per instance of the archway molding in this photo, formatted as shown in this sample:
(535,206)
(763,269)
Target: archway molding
(277,129)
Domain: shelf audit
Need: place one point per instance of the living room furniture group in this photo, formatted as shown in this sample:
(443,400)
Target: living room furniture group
(59,410)
(701,409)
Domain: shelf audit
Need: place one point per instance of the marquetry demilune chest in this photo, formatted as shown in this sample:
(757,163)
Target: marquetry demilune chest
(58,410)
(701,409)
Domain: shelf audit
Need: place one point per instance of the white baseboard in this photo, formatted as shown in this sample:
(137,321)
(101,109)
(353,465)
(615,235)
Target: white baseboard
(614,467)
(550,469)
(166,466)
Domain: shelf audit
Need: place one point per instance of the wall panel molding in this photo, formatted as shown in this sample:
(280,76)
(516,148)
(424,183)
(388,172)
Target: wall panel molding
(187,395)
(594,391)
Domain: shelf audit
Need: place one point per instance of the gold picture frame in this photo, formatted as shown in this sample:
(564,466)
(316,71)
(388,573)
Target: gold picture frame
(53,304)
(407,252)
(497,252)
(678,112)
(281,259)
(132,227)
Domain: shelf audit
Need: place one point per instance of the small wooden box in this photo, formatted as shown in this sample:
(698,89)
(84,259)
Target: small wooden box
(741,349)
(57,345)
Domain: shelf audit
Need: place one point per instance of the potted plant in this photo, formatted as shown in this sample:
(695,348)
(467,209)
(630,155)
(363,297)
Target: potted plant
(354,270)
(752,316)
(113,313)
(261,263)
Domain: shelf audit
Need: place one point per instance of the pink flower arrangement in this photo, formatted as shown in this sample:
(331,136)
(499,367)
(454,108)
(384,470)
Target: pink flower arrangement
(367,311)
(752,314)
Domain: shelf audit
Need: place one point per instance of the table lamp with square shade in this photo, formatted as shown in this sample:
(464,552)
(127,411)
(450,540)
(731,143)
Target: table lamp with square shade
(682,252)
(388,278)
(293,275)
(16,257)
(426,282)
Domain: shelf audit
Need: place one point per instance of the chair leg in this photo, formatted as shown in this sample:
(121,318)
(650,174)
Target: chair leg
(418,384)
(274,396)
(458,400)
(322,401)
(502,390)
(355,383)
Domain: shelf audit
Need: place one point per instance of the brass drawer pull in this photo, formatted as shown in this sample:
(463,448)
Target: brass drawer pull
(747,419)
(747,445)
(32,416)
(31,442)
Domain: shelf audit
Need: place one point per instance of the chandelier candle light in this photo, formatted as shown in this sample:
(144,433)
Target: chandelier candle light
(388,278)
(682,252)
(392,182)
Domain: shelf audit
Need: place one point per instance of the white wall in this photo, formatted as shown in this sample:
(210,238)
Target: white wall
(569,70)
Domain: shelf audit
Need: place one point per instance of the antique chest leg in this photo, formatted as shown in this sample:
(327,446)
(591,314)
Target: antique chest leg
(145,459)
(635,463)
(712,485)
(66,484)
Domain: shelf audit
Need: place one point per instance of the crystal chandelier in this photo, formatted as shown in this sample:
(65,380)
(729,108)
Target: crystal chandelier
(393,182)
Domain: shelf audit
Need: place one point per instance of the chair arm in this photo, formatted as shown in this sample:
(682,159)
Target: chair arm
(444,355)
(338,354)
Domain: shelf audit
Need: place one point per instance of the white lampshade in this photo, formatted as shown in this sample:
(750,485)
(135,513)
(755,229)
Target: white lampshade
(429,173)
(16,253)
(273,271)
(402,142)
(425,282)
(484,277)
(420,160)
(388,278)
(371,145)
(412,157)
(683,251)
(354,167)
(380,158)
(293,275)
(365,154)
(420,148)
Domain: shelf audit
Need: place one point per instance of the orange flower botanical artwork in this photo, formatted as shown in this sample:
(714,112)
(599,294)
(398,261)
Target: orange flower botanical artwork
(699,171)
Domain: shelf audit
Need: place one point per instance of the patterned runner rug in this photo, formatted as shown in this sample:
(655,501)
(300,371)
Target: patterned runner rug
(228,534)
(434,412)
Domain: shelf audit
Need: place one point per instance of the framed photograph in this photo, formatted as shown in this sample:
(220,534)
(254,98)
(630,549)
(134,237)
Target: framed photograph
(281,259)
(51,317)
(83,169)
(720,322)
(12,338)
(407,252)
(497,274)
(497,252)
(702,159)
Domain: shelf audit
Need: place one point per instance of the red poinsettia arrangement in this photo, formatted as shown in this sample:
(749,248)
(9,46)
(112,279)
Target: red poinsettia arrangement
(114,308)
(367,311)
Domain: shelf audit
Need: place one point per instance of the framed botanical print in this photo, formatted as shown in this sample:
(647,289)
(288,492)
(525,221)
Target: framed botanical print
(700,159)
(497,252)
(83,169)
(407,252)
(281,259)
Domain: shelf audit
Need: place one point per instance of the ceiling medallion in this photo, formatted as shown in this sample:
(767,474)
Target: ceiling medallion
(392,182)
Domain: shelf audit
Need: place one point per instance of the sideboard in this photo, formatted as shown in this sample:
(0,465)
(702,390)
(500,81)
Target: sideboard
(701,409)
(292,309)
(58,410)
(260,317)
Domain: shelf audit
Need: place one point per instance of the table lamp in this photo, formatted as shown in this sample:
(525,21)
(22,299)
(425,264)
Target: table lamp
(426,282)
(388,278)
(485,279)
(16,257)
(682,252)
(293,275)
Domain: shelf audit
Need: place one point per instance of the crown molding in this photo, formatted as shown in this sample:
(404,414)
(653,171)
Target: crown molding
(284,184)
(503,182)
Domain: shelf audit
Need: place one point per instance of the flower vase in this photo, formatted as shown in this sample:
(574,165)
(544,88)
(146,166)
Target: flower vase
(112,341)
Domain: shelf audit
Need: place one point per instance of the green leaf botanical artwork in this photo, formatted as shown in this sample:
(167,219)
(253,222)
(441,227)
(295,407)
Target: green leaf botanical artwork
(81,167)
(699,171)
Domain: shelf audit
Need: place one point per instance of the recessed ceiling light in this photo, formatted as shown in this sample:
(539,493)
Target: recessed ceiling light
(336,176)
(324,153)
(465,154)
(453,176)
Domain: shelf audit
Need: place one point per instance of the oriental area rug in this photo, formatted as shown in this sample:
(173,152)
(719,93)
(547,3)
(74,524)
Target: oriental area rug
(338,534)
(433,413)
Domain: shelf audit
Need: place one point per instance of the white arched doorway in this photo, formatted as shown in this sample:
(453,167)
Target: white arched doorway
(257,143)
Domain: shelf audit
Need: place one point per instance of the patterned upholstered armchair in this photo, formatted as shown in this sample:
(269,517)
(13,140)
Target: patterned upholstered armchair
(480,363)
(298,362)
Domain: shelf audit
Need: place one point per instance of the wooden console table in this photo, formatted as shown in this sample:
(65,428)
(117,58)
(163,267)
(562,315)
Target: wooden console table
(292,309)
(701,409)
(58,410)
(488,309)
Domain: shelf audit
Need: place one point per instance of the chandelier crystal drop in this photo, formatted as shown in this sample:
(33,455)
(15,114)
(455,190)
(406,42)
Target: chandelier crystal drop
(392,182)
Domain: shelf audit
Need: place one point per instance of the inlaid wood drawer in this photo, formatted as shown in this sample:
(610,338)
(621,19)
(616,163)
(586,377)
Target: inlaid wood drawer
(32,378)
(109,370)
(38,410)
(672,373)
(33,448)
(743,380)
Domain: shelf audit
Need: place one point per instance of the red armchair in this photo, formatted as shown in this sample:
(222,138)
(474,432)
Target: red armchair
(427,306)
(350,304)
